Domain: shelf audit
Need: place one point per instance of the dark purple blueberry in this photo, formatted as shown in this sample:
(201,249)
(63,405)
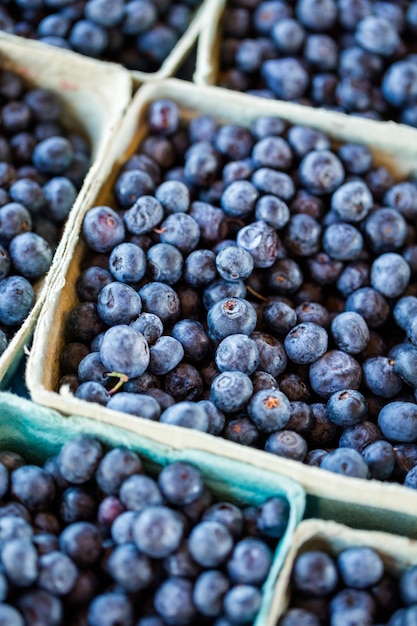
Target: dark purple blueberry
(82,542)
(77,504)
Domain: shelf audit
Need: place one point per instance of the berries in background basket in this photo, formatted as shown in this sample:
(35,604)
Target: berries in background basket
(152,535)
(364,587)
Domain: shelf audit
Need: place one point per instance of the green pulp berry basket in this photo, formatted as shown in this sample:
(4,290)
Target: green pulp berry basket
(37,433)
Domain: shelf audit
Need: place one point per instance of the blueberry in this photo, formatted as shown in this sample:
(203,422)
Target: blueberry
(237,352)
(380,458)
(286,77)
(20,562)
(285,276)
(277,183)
(230,316)
(303,235)
(130,569)
(356,158)
(60,194)
(39,606)
(28,193)
(385,230)
(304,139)
(138,404)
(193,338)
(174,196)
(82,542)
(118,303)
(33,487)
(321,172)
(273,211)
(125,350)
(347,407)
(350,332)
(260,239)
(287,444)
(210,543)
(347,462)
(398,421)
(77,504)
(157,531)
(180,483)
(57,573)
(360,567)
(174,601)
(209,590)
(10,616)
(359,436)
(334,371)
(299,617)
(92,391)
(370,304)
(306,343)
(230,391)
(405,364)
(149,325)
(242,603)
(16,300)
(15,219)
(380,377)
(272,517)
(390,274)
(139,491)
(79,458)
(127,263)
(102,229)
(112,607)
(143,214)
(272,356)
(408,586)
(165,354)
(187,414)
(314,573)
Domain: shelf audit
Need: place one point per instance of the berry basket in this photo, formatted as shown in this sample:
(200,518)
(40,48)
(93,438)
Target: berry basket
(369,504)
(88,107)
(170,30)
(38,433)
(398,554)
(329,58)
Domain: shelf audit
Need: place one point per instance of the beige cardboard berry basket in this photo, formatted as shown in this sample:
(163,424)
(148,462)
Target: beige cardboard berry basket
(370,504)
(208,47)
(38,433)
(181,49)
(397,553)
(94,97)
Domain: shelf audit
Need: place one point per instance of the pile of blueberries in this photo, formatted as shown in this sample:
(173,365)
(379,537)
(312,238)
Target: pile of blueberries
(258,285)
(42,166)
(91,538)
(354,56)
(353,587)
(139,34)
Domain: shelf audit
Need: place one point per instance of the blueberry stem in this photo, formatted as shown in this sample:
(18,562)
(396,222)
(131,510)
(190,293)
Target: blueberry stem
(256,293)
(123,378)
